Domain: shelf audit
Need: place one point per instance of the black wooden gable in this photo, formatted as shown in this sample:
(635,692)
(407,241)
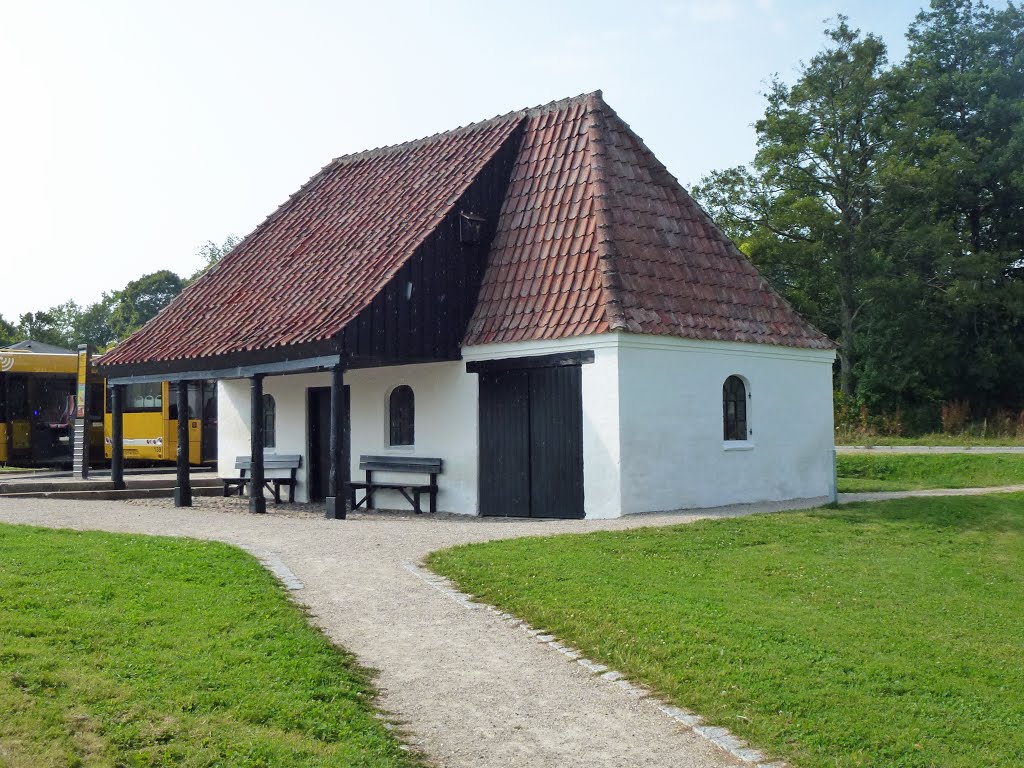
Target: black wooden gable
(423,311)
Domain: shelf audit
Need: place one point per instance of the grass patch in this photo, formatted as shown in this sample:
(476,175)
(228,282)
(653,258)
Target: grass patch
(123,650)
(901,472)
(13,469)
(887,634)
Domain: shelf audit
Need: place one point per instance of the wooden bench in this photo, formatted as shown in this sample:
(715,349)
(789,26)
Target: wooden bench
(271,463)
(402,465)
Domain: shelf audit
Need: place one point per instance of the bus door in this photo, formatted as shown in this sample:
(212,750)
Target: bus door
(208,440)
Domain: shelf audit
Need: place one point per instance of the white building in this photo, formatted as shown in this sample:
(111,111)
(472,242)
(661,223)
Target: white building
(532,299)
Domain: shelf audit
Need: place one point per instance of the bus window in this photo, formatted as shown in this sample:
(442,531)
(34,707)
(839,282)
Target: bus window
(17,398)
(139,398)
(210,400)
(52,400)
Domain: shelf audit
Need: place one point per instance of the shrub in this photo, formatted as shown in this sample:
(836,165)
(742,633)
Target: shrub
(954,416)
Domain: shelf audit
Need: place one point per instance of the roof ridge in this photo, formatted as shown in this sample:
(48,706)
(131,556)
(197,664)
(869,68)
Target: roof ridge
(517,114)
(607,253)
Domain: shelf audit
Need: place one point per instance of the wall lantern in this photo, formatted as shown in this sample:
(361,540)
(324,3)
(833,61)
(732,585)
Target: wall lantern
(471,228)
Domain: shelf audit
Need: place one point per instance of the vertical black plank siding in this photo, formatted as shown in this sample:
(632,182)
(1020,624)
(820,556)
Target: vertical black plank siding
(556,442)
(531,442)
(445,276)
(505,444)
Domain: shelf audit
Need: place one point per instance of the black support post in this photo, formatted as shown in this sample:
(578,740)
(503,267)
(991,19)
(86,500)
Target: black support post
(257,503)
(337,479)
(117,436)
(183,487)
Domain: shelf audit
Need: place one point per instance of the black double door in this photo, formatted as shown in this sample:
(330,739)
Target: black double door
(531,442)
(318,403)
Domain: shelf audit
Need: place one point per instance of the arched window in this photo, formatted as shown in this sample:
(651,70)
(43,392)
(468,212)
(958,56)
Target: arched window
(734,408)
(269,422)
(403,415)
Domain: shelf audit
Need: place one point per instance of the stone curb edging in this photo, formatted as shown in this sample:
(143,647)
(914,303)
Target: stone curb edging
(275,565)
(720,737)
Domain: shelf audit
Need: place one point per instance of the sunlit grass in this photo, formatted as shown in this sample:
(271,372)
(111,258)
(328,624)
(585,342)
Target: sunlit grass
(896,472)
(888,634)
(139,651)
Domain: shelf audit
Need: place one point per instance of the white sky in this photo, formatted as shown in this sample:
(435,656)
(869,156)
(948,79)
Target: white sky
(133,132)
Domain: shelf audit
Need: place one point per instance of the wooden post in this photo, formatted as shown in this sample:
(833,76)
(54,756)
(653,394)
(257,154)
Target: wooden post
(257,503)
(337,479)
(117,436)
(183,488)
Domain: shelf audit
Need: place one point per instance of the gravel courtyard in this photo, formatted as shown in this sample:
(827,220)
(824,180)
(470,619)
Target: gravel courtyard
(467,687)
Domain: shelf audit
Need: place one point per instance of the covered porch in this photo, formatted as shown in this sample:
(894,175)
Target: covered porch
(335,464)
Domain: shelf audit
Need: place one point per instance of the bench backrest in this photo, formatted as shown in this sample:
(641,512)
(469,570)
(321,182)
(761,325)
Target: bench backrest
(273,461)
(401,464)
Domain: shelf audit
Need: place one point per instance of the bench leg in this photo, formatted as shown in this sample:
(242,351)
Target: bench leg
(276,491)
(416,503)
(433,501)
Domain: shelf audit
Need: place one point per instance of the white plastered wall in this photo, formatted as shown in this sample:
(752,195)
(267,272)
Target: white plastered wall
(233,409)
(652,422)
(602,496)
(674,455)
(445,424)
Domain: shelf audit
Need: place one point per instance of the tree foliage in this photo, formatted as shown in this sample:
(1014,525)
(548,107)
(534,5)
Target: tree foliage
(887,204)
(117,314)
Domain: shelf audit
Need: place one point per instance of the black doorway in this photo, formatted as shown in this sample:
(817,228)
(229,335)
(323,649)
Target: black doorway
(318,421)
(208,430)
(531,442)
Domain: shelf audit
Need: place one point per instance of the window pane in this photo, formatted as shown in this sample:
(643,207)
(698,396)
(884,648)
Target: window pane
(144,397)
(734,409)
(402,416)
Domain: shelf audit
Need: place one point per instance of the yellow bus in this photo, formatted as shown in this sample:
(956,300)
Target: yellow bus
(151,422)
(37,407)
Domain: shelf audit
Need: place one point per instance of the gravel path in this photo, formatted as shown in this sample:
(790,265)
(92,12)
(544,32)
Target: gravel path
(470,688)
(885,495)
(930,448)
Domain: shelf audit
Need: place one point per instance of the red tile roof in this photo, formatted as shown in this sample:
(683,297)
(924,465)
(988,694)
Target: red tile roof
(316,262)
(594,235)
(597,235)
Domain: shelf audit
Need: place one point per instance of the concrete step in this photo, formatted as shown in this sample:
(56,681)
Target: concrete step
(23,487)
(109,494)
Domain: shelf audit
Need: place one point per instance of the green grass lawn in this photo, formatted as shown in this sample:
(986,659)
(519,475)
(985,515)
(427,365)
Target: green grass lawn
(138,651)
(898,472)
(887,634)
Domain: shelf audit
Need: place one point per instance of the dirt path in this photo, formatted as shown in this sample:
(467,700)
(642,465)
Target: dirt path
(471,689)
